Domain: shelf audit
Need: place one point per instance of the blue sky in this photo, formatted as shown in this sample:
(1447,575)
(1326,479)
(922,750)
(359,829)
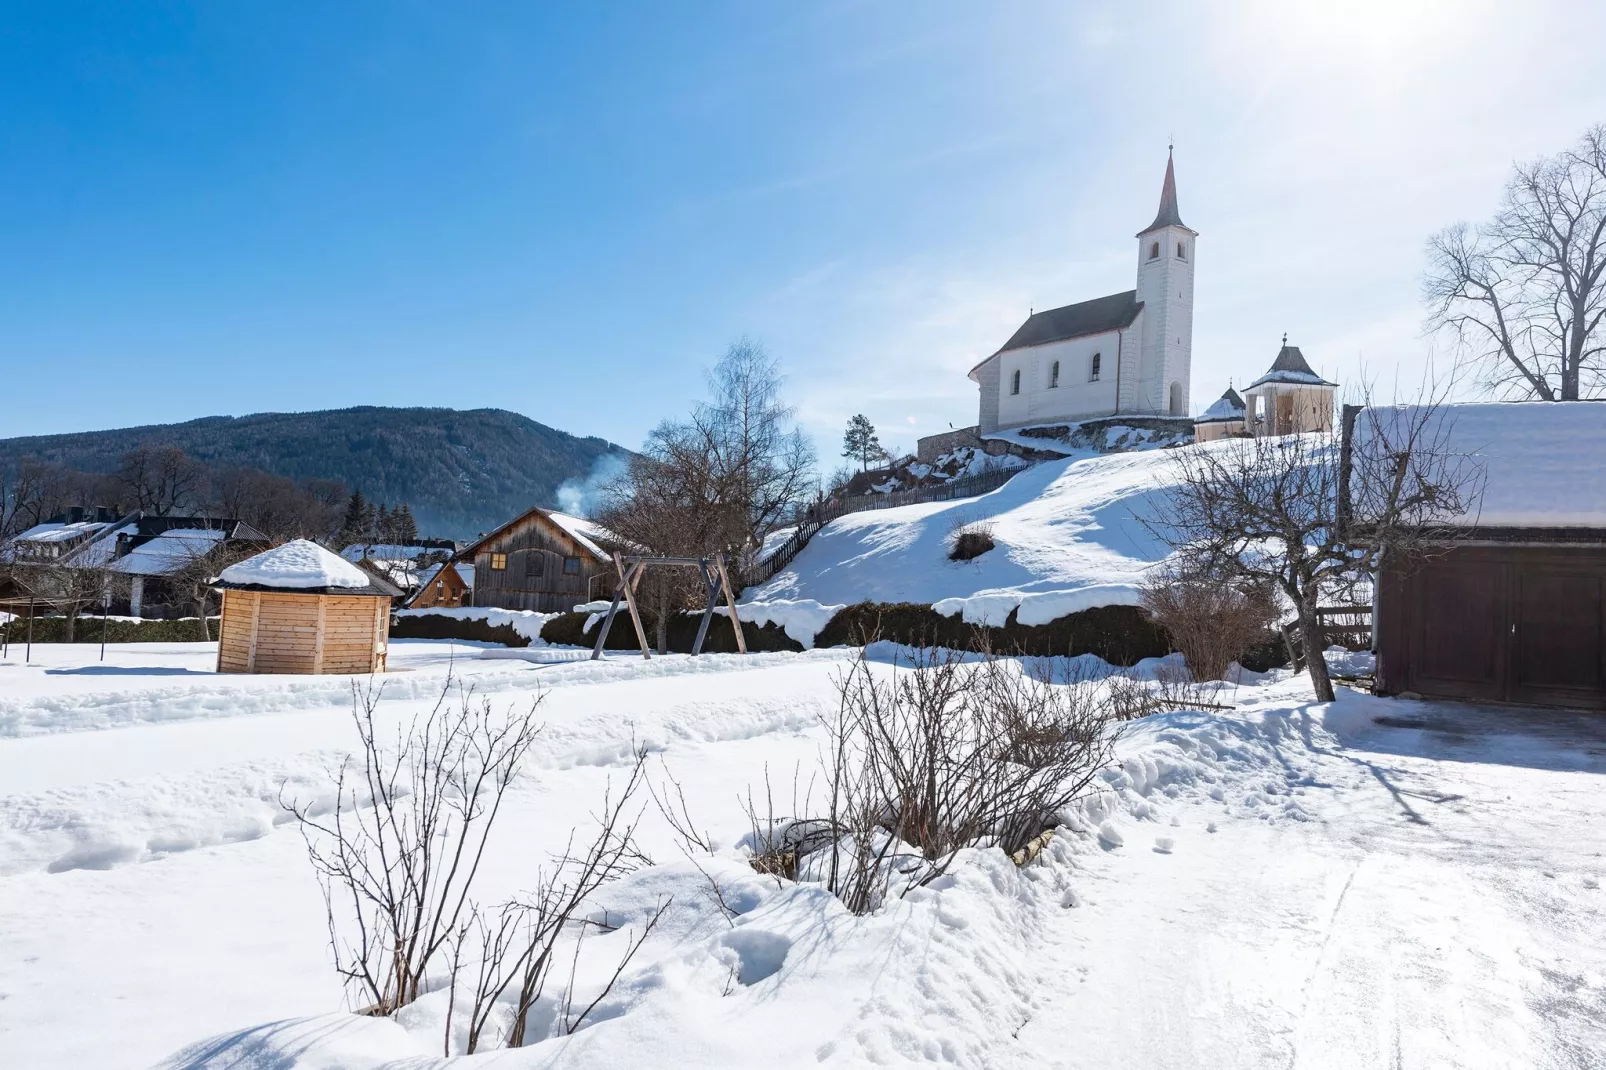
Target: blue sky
(569,210)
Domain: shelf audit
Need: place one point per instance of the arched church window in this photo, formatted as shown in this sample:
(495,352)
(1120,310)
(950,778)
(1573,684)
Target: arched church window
(1014,382)
(1154,251)
(1182,250)
(1176,399)
(1093,372)
(1054,374)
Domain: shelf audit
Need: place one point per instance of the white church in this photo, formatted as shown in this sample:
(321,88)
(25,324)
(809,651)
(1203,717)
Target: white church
(1125,354)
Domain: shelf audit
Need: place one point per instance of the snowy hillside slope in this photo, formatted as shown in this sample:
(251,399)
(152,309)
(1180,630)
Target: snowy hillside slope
(1067,535)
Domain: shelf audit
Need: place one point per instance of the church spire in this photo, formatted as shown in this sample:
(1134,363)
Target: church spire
(1167,215)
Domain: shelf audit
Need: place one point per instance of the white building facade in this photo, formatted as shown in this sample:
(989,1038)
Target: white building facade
(1126,353)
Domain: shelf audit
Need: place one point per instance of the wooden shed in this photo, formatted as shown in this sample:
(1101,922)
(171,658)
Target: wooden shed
(450,585)
(299,608)
(544,561)
(1510,605)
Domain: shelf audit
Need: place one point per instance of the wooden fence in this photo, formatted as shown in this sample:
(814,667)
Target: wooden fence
(1346,626)
(822,513)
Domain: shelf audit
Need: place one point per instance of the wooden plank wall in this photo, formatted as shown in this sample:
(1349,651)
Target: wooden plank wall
(268,632)
(552,591)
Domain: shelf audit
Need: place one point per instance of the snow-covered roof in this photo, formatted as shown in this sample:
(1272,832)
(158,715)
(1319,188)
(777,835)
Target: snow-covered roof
(584,532)
(169,551)
(1543,464)
(382,551)
(297,565)
(52,533)
(1290,367)
(1227,407)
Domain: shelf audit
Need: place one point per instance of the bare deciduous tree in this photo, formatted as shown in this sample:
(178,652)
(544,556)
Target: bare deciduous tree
(161,480)
(1525,293)
(1282,511)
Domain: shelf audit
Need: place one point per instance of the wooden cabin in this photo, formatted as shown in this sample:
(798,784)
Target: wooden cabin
(299,608)
(449,586)
(543,561)
(1509,602)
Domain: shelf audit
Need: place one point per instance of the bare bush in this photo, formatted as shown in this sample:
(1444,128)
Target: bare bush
(398,848)
(1211,623)
(970,540)
(946,753)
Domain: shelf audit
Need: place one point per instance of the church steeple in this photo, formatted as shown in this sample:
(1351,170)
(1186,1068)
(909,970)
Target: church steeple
(1167,216)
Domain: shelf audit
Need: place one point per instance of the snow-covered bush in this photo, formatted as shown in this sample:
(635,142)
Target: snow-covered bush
(968,541)
(946,752)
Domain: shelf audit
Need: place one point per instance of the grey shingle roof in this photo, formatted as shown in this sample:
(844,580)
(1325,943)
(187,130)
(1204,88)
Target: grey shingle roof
(1290,367)
(1225,409)
(1111,313)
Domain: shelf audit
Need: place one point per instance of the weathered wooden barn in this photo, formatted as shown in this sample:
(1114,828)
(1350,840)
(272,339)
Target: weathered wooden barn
(1510,606)
(544,561)
(300,609)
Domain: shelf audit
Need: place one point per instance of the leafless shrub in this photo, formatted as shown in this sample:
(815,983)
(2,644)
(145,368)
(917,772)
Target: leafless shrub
(398,848)
(968,541)
(948,752)
(1211,622)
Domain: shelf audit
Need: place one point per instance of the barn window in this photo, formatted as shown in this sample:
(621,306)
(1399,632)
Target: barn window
(1182,251)
(1093,373)
(498,562)
(1154,251)
(1014,382)
(571,566)
(1054,374)
(535,564)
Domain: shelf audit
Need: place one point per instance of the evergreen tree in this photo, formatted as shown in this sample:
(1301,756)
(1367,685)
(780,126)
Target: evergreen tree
(358,521)
(406,527)
(382,528)
(860,442)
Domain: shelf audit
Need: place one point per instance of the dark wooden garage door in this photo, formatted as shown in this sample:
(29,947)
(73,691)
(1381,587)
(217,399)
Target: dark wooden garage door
(1496,623)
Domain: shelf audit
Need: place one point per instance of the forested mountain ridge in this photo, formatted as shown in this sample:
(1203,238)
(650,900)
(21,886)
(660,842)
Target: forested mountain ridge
(462,471)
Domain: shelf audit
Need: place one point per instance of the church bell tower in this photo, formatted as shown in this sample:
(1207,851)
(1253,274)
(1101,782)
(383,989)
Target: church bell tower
(1166,259)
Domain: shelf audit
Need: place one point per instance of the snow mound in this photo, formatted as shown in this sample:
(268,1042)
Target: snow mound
(801,618)
(1068,537)
(525,622)
(297,565)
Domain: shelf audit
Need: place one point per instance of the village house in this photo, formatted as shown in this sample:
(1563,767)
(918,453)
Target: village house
(1509,603)
(543,561)
(444,586)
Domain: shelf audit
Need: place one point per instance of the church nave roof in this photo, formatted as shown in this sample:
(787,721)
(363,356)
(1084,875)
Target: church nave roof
(1113,313)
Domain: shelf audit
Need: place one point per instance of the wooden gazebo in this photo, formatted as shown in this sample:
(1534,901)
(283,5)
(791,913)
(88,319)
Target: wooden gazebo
(299,608)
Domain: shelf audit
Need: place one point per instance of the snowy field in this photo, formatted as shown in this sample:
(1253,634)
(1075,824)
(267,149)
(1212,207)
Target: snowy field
(1279,885)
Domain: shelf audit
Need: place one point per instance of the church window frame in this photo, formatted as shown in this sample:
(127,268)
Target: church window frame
(1154,250)
(1182,250)
(1014,382)
(1094,368)
(1054,375)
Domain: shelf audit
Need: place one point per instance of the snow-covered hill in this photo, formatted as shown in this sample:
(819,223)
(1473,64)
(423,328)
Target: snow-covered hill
(1067,536)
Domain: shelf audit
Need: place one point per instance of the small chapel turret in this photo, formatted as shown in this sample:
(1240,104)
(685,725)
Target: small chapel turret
(1167,254)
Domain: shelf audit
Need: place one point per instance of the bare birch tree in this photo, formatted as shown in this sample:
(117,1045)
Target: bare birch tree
(1524,295)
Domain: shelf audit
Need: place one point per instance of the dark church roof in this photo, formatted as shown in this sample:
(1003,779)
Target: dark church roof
(1167,216)
(1290,367)
(1112,313)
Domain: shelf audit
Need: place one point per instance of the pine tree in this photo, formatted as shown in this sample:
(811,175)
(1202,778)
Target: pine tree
(358,520)
(383,529)
(860,442)
(406,527)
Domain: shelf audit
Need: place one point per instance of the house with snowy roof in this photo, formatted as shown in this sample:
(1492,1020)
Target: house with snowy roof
(1126,353)
(543,560)
(1223,419)
(1508,604)
(1290,398)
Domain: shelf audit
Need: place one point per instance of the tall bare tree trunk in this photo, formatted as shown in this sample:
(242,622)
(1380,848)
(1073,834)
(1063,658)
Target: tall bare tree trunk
(72,619)
(1310,632)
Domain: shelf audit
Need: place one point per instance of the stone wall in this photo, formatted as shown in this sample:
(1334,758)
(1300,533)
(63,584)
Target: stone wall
(928,449)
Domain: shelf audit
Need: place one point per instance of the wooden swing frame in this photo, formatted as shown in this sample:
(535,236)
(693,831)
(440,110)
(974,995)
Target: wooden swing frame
(716,579)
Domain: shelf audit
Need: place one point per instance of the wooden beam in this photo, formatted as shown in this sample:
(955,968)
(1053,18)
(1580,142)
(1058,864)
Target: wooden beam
(317,643)
(730,600)
(710,597)
(630,600)
(251,646)
(222,616)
